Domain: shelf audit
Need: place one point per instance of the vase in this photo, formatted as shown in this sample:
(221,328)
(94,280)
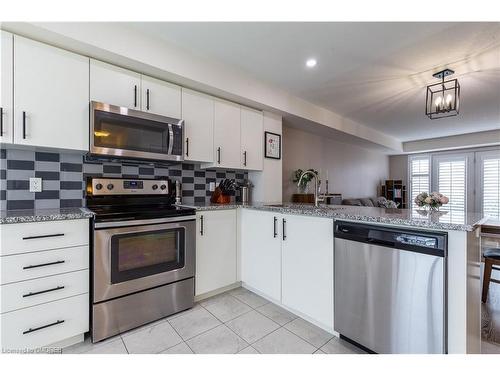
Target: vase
(303,189)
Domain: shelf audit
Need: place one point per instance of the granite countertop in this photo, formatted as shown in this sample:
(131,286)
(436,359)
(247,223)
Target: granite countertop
(46,214)
(440,220)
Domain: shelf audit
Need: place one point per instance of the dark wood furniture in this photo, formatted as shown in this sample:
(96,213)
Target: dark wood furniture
(395,191)
(303,198)
(491,257)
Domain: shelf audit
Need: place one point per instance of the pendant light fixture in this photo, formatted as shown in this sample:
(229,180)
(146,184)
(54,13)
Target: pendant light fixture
(443,99)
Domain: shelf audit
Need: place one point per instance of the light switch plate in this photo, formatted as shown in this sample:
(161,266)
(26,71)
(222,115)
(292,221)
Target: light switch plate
(35,184)
(211,186)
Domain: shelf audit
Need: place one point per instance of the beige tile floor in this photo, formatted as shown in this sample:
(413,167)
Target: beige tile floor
(237,321)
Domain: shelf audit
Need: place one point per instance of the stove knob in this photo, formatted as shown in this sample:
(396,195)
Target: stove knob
(110,186)
(154,187)
(163,187)
(98,186)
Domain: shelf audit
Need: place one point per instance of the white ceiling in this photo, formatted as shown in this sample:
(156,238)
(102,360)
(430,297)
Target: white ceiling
(373,73)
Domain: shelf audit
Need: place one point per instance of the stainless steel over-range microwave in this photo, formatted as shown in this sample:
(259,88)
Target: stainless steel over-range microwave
(126,133)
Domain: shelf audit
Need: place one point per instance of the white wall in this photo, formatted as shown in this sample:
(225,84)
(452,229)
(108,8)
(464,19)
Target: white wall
(353,171)
(267,184)
(479,139)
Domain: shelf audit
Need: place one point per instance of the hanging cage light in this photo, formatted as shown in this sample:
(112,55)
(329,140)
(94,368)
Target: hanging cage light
(443,98)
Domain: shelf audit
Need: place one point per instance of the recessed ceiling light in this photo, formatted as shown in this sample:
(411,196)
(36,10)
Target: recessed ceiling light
(311,63)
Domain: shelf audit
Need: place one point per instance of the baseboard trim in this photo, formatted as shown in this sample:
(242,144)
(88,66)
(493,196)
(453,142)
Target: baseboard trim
(213,293)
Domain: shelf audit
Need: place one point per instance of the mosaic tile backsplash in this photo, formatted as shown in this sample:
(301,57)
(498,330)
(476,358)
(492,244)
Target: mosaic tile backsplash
(63,176)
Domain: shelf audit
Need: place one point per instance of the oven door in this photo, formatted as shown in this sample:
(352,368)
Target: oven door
(129,259)
(122,132)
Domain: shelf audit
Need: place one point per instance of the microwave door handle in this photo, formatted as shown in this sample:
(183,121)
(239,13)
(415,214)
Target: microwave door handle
(170,139)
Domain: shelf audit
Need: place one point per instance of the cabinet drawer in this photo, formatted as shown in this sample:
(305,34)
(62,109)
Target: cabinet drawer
(46,289)
(43,263)
(45,324)
(28,237)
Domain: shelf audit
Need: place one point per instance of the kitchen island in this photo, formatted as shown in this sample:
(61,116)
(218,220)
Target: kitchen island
(283,250)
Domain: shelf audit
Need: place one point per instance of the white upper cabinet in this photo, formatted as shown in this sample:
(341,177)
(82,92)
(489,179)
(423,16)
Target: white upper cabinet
(198,116)
(113,85)
(160,97)
(51,96)
(307,267)
(227,134)
(6,76)
(252,141)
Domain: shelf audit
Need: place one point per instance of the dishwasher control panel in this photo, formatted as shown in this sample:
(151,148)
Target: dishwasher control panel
(411,239)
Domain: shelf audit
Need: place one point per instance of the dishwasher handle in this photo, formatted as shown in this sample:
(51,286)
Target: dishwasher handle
(377,241)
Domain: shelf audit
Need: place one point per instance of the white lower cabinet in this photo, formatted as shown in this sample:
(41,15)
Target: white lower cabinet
(44,287)
(289,258)
(261,252)
(216,247)
(307,267)
(45,324)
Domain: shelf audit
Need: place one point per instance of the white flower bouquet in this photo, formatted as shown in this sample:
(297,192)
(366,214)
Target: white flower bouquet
(432,200)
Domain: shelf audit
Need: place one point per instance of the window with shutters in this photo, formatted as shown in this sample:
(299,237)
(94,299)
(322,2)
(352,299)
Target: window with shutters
(489,163)
(420,178)
(450,179)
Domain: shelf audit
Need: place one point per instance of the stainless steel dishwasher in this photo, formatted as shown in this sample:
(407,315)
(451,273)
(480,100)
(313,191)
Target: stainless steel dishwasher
(390,288)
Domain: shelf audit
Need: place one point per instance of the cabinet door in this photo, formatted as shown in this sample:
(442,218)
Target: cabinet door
(6,76)
(215,250)
(160,97)
(261,252)
(227,135)
(198,116)
(307,262)
(113,85)
(252,139)
(51,96)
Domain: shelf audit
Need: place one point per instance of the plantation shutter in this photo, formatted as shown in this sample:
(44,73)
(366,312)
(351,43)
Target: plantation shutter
(491,186)
(419,176)
(452,183)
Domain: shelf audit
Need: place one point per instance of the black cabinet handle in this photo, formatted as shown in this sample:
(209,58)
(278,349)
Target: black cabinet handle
(44,264)
(43,236)
(1,122)
(187,146)
(31,330)
(245,158)
(275,227)
(218,155)
(135,96)
(31,294)
(284,229)
(147,99)
(202,229)
(24,124)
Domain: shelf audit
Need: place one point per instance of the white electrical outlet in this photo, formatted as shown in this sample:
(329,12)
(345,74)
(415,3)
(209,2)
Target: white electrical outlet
(211,186)
(35,184)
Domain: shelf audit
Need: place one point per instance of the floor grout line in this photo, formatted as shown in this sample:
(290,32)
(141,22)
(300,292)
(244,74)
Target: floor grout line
(310,343)
(123,342)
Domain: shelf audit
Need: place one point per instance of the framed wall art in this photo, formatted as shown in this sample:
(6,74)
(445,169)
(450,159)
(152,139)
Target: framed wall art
(272,145)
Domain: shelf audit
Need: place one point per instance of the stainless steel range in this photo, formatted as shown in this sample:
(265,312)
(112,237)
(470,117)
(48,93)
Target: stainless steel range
(143,259)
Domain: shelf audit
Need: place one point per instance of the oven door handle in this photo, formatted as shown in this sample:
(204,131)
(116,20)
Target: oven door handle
(128,223)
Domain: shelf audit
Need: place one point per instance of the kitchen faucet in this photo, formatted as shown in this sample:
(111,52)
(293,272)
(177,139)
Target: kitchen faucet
(317,199)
